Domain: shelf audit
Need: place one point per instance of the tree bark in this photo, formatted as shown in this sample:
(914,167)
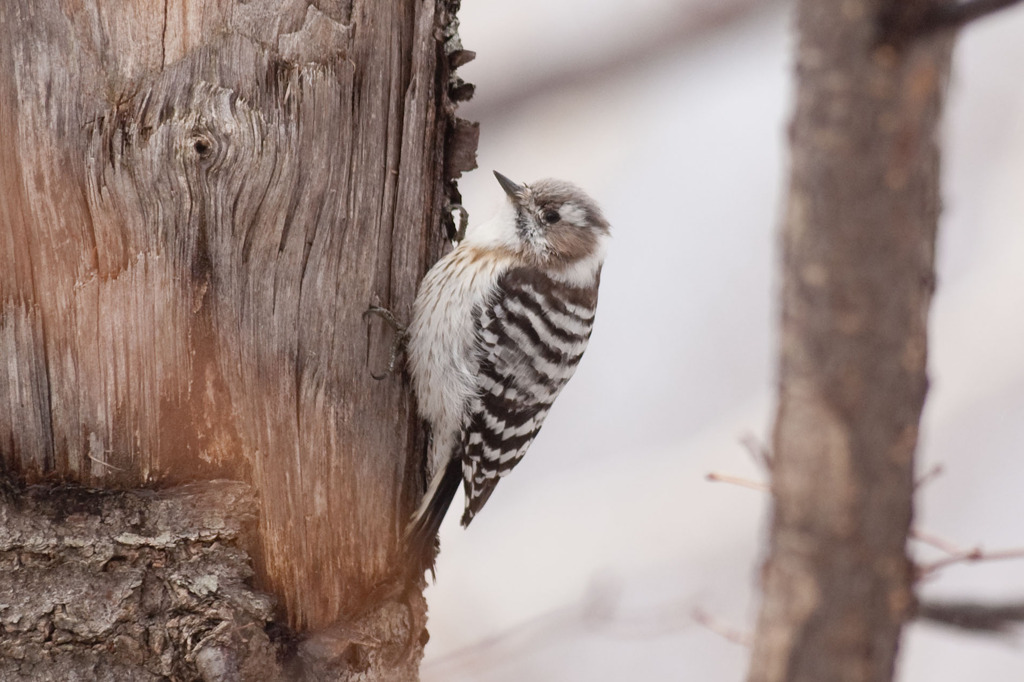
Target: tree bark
(121,585)
(198,200)
(858,273)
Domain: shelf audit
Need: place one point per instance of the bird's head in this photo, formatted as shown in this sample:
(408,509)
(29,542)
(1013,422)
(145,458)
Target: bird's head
(554,222)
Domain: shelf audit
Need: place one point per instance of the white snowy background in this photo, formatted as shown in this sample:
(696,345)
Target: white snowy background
(589,561)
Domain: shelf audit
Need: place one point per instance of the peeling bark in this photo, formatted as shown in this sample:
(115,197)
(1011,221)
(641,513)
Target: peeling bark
(130,585)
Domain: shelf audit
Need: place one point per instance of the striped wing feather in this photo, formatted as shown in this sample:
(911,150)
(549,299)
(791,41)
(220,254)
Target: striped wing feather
(532,334)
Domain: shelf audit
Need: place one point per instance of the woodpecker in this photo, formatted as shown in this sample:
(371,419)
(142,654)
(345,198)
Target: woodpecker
(498,327)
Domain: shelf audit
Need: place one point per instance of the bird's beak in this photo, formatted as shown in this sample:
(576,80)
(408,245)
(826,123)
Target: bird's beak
(514,191)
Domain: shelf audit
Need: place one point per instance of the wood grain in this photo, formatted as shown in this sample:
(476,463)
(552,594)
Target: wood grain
(198,199)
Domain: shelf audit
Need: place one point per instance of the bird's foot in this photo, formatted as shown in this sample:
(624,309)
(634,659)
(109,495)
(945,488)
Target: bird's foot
(397,346)
(460,232)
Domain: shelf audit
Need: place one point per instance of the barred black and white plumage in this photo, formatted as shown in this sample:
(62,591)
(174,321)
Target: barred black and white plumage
(532,337)
(499,326)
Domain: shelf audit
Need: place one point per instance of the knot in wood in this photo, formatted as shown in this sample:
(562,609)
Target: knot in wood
(203,146)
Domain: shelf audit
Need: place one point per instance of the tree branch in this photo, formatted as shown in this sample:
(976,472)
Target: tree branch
(992,618)
(915,20)
(957,14)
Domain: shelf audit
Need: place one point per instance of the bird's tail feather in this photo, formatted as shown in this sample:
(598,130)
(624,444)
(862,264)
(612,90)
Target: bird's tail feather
(421,534)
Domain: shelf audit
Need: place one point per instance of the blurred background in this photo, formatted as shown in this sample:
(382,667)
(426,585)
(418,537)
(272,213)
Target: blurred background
(590,562)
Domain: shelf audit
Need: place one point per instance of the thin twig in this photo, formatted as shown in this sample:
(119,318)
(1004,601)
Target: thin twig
(691,23)
(970,555)
(929,476)
(599,611)
(716,477)
(723,630)
(758,451)
(936,542)
(527,635)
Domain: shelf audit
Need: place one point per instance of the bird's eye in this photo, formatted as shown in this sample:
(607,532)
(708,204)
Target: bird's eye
(551,216)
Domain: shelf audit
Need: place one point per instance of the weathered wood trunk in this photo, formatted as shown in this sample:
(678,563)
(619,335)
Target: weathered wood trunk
(858,272)
(198,200)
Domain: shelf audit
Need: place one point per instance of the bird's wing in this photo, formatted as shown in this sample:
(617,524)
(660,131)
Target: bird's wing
(532,334)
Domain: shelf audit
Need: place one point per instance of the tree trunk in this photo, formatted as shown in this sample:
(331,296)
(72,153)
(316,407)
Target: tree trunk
(198,200)
(858,273)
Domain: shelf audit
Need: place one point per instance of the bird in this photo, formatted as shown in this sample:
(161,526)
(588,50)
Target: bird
(498,327)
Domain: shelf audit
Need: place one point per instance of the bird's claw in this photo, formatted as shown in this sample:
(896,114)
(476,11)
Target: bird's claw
(397,346)
(385,315)
(460,232)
